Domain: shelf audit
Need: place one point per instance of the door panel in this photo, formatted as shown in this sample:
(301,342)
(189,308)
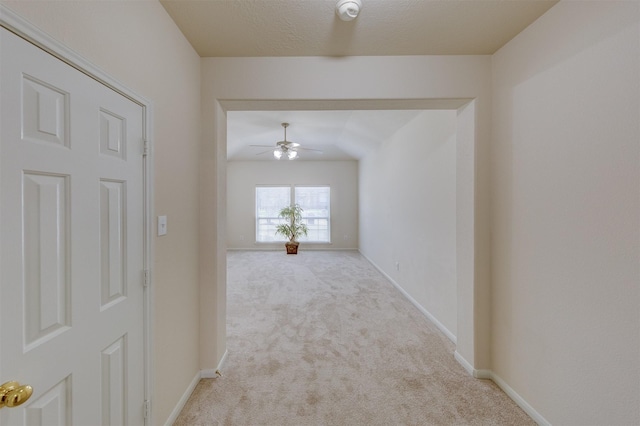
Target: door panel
(53,407)
(112,242)
(46,253)
(114,367)
(45,112)
(71,250)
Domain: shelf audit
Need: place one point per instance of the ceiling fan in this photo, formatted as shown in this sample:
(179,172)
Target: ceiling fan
(285,148)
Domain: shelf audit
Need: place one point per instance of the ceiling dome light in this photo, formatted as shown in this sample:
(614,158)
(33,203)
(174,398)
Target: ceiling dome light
(348,10)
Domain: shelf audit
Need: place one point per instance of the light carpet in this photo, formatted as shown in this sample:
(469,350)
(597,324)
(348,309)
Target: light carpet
(322,338)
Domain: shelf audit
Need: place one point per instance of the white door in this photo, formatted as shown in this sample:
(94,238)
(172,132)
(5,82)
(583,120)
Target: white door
(71,243)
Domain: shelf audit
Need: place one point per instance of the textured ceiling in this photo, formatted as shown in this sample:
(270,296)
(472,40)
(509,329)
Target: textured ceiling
(240,28)
(384,27)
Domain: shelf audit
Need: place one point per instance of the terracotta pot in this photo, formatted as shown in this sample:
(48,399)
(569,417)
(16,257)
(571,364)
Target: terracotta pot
(292,247)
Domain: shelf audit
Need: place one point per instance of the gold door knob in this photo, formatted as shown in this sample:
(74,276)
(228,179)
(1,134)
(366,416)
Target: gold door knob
(13,394)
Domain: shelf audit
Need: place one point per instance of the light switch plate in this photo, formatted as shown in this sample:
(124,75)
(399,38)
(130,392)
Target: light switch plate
(162,225)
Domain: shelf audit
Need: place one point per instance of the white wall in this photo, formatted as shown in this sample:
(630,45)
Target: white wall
(139,45)
(243,176)
(408,212)
(566,203)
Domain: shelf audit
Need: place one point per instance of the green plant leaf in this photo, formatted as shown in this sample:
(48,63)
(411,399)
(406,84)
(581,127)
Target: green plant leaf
(294,226)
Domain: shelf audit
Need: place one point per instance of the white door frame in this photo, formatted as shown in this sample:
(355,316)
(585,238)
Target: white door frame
(24,29)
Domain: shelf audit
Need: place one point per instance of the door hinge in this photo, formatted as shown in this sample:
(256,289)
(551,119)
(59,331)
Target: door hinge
(145,148)
(146,278)
(147,409)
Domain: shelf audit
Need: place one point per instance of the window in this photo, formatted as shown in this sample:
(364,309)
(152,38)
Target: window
(269,202)
(314,200)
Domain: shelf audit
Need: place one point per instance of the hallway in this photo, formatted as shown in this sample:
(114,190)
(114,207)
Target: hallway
(323,338)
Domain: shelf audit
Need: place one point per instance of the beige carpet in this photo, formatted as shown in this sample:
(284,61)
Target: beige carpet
(322,338)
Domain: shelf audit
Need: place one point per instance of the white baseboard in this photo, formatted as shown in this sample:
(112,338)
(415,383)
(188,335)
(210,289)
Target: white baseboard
(254,248)
(202,374)
(490,375)
(537,417)
(183,400)
(464,363)
(426,313)
(478,374)
(307,247)
(212,374)
(414,302)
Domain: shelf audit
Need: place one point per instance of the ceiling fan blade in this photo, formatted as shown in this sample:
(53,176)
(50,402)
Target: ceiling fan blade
(310,149)
(285,146)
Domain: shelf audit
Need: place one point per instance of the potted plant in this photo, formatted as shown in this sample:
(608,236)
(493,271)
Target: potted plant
(292,228)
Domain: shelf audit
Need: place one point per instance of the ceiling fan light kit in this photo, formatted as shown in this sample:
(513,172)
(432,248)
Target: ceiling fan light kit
(348,10)
(291,155)
(285,148)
